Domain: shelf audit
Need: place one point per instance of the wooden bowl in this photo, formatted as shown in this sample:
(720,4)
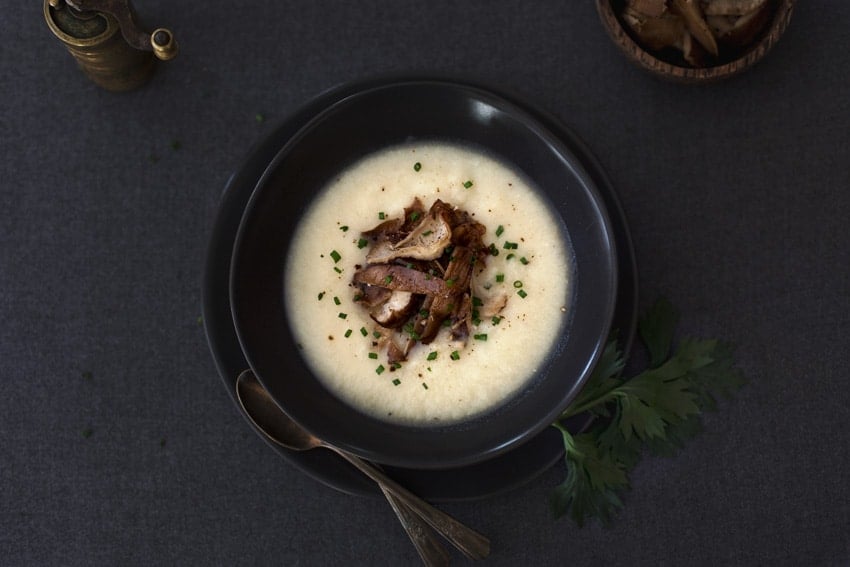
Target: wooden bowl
(679,71)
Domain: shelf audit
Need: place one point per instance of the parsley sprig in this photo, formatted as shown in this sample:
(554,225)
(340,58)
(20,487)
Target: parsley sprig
(656,411)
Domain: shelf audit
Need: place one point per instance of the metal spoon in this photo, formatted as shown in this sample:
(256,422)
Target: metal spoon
(269,419)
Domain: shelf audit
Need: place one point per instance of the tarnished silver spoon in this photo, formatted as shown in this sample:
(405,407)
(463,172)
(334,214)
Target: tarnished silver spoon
(268,417)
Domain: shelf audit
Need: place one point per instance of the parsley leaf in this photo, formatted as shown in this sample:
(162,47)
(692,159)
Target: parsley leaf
(656,411)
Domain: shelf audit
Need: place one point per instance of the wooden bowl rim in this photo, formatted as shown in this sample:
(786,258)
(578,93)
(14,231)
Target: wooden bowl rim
(638,55)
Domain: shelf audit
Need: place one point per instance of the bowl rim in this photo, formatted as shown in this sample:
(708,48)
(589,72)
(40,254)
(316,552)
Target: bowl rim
(450,459)
(658,67)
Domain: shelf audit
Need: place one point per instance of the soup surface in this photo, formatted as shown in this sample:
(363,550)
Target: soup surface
(520,288)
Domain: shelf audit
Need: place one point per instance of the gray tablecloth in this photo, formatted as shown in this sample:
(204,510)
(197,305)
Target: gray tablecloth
(119,444)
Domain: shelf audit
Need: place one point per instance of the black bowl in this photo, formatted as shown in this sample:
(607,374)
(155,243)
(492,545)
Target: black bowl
(350,129)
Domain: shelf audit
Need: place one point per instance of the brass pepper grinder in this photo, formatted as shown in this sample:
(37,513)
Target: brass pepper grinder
(108,44)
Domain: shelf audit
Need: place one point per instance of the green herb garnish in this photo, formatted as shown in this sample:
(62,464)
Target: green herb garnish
(344,228)
(373,355)
(500,230)
(362,243)
(467,184)
(481,337)
(337,301)
(510,245)
(396,381)
(455,355)
(657,410)
(363,331)
(348,333)
(417,166)
(522,293)
(380,369)
(432,355)
(336,256)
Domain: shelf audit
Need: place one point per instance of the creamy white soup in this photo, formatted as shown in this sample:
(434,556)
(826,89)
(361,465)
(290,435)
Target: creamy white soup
(519,288)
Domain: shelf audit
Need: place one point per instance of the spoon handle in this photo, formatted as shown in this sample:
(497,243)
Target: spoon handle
(424,539)
(468,541)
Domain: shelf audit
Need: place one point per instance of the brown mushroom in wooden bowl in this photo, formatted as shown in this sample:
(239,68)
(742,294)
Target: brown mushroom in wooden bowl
(695,41)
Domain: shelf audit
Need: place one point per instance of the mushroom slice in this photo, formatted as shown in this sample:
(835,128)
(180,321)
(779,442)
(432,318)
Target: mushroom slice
(651,8)
(747,28)
(696,24)
(401,278)
(458,276)
(655,33)
(396,310)
(426,242)
(731,7)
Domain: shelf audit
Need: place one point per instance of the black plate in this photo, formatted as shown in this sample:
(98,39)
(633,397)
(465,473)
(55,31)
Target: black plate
(495,475)
(371,120)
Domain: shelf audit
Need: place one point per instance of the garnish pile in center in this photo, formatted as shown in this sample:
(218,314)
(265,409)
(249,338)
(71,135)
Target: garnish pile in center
(418,276)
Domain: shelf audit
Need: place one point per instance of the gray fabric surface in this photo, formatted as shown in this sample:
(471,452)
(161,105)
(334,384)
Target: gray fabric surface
(737,197)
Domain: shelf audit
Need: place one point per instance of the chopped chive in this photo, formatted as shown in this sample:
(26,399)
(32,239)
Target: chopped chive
(524,260)
(344,228)
(417,166)
(358,297)
(518,284)
(362,243)
(455,355)
(388,280)
(376,334)
(363,331)
(382,215)
(432,355)
(380,369)
(522,293)
(373,355)
(500,230)
(321,295)
(348,333)
(467,184)
(500,277)
(395,365)
(338,270)
(496,319)
(396,381)
(424,385)
(481,337)
(493,250)
(427,232)
(510,245)
(337,301)
(477,302)
(335,255)
(509,256)
(413,216)
(343,315)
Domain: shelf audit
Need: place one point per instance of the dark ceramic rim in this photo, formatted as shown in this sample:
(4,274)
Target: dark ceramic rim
(261,244)
(495,476)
